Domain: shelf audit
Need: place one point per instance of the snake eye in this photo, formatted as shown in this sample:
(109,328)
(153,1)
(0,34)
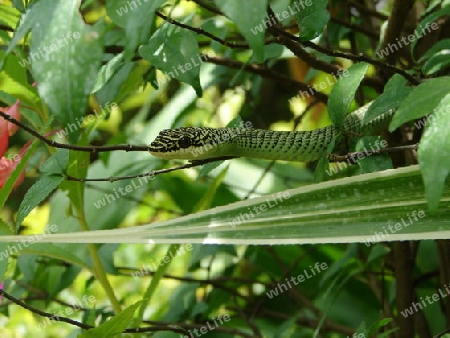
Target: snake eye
(184,142)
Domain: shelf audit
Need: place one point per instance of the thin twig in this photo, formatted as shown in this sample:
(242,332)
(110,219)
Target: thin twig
(203,32)
(44,314)
(89,149)
(151,173)
(350,157)
(354,57)
(355,27)
(363,9)
(266,73)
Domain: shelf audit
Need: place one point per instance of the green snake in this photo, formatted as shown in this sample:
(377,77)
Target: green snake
(202,143)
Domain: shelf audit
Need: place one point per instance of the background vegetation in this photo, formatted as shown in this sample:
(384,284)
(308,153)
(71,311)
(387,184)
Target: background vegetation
(115,76)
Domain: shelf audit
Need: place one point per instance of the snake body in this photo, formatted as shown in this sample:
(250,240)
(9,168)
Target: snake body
(200,143)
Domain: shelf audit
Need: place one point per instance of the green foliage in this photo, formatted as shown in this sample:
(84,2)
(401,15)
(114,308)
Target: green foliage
(38,192)
(436,58)
(55,164)
(118,72)
(83,53)
(422,100)
(343,93)
(114,326)
(312,18)
(434,153)
(248,17)
(394,93)
(7,188)
(138,27)
(164,52)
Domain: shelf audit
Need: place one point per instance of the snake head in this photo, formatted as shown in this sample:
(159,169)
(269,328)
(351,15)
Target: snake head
(187,143)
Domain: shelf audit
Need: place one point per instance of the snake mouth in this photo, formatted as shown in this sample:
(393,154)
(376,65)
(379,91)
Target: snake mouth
(155,147)
(184,154)
(174,152)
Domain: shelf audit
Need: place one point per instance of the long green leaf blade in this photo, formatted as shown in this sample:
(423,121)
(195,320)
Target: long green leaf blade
(348,210)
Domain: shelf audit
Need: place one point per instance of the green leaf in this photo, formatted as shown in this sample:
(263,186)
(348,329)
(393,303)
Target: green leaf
(273,52)
(19,5)
(107,72)
(437,62)
(25,24)
(338,266)
(421,101)
(323,164)
(208,167)
(177,55)
(138,21)
(151,77)
(394,93)
(79,163)
(287,327)
(206,201)
(156,279)
(67,54)
(120,85)
(53,251)
(57,163)
(443,44)
(4,261)
(249,17)
(9,15)
(428,25)
(434,154)
(374,162)
(312,17)
(347,210)
(374,328)
(6,189)
(36,194)
(115,325)
(343,92)
(14,81)
(377,251)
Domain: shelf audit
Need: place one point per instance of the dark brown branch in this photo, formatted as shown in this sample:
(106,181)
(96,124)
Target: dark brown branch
(203,32)
(151,173)
(153,328)
(303,321)
(294,45)
(89,149)
(349,56)
(290,42)
(353,157)
(363,9)
(355,27)
(44,314)
(404,287)
(266,73)
(441,334)
(396,21)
